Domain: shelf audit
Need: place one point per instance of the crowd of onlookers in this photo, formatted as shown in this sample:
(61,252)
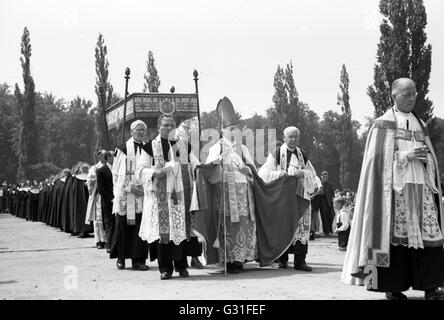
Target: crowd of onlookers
(332,212)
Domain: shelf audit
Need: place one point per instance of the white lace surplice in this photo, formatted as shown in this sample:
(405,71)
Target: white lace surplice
(163,221)
(415,219)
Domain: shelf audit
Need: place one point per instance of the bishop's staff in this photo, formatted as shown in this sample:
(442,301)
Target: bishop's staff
(220,112)
(227,117)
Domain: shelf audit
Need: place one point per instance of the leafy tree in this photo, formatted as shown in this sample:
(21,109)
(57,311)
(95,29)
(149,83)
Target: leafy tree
(326,155)
(26,150)
(288,110)
(152,80)
(104,92)
(437,137)
(280,100)
(41,171)
(8,124)
(402,52)
(345,132)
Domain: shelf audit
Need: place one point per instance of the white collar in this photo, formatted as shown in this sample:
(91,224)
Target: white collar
(288,148)
(402,113)
(82,176)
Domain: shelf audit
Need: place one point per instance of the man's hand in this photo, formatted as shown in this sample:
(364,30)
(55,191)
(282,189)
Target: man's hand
(160,171)
(245,171)
(137,190)
(299,174)
(283,173)
(219,159)
(419,153)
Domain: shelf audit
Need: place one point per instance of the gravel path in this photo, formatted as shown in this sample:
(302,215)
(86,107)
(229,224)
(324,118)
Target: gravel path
(40,262)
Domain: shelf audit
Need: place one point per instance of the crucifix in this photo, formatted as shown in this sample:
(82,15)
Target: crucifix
(130,173)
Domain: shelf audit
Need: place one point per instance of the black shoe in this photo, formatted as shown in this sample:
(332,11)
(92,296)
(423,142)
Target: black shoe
(84,235)
(396,296)
(165,276)
(239,265)
(231,268)
(435,294)
(139,265)
(120,264)
(283,265)
(303,267)
(196,264)
(100,245)
(183,273)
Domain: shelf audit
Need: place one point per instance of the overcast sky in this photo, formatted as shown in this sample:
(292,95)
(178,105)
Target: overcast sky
(235,45)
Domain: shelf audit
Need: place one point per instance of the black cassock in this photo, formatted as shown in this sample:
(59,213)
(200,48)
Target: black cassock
(3,201)
(8,200)
(47,213)
(32,206)
(12,196)
(43,202)
(28,205)
(105,189)
(55,203)
(67,204)
(21,204)
(16,202)
(79,204)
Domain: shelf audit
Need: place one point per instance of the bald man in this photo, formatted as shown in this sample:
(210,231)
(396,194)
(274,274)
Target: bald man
(396,239)
(289,159)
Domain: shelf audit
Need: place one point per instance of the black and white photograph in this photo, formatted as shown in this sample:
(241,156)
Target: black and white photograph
(240,152)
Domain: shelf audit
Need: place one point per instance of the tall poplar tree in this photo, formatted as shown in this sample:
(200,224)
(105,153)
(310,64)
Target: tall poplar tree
(26,150)
(345,132)
(152,80)
(104,92)
(402,52)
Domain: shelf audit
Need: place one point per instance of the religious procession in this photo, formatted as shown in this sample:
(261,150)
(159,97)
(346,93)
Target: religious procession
(171,191)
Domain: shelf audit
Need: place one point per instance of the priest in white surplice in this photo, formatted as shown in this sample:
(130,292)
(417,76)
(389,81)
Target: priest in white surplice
(94,208)
(291,160)
(128,200)
(397,228)
(164,218)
